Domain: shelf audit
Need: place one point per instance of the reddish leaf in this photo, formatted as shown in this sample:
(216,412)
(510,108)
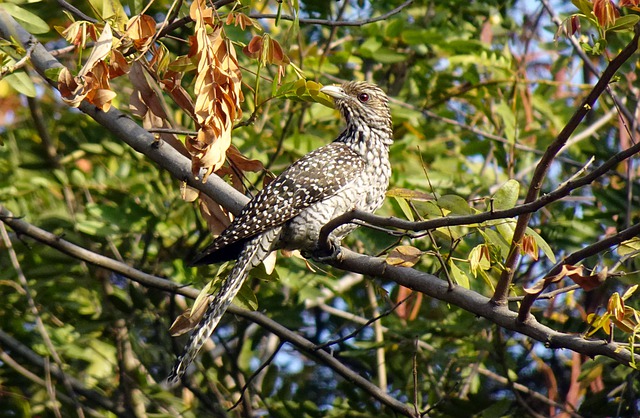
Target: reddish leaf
(118,65)
(254,48)
(605,12)
(530,247)
(243,163)
(589,282)
(215,216)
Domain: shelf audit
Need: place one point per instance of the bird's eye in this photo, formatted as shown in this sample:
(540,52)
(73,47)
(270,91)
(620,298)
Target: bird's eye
(363,97)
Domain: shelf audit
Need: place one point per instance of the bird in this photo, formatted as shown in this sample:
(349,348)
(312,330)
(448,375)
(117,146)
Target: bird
(352,172)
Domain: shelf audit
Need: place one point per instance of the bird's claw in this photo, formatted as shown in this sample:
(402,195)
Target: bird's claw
(322,256)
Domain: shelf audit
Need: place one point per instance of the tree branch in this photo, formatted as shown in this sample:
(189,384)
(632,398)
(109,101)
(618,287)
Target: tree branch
(562,191)
(304,345)
(480,305)
(502,288)
(124,128)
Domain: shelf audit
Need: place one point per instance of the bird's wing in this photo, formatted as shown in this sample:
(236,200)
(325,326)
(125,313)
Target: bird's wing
(315,177)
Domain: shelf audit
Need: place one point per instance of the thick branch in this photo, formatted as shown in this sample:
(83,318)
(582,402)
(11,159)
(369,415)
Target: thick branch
(350,261)
(480,306)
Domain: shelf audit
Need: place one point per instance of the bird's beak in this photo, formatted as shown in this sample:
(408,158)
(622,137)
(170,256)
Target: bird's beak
(334,91)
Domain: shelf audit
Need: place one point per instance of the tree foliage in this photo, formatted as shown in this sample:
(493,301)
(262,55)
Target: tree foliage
(499,279)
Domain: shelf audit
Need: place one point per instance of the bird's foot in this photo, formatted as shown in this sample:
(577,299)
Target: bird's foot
(323,255)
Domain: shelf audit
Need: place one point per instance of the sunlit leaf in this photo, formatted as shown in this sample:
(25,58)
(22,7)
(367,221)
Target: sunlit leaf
(31,22)
(507,196)
(459,276)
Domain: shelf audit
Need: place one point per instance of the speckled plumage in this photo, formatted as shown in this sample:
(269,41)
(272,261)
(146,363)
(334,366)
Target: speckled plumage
(351,172)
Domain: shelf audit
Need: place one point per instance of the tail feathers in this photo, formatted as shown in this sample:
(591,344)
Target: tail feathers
(208,324)
(253,254)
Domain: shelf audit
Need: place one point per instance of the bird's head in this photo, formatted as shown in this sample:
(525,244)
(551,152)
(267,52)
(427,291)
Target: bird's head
(362,103)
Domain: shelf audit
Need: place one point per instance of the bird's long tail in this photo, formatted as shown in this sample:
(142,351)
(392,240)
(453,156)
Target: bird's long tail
(254,252)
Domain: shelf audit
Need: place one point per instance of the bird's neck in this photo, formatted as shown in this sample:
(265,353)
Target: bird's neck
(365,140)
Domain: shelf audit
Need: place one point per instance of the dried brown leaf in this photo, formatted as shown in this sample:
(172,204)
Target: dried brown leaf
(141,29)
(188,193)
(100,50)
(404,256)
(215,216)
(567,270)
(146,103)
(243,163)
(187,321)
(270,262)
(590,282)
(92,81)
(171,84)
(118,64)
(218,94)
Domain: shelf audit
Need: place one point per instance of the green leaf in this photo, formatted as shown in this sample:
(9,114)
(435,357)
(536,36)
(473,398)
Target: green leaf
(505,227)
(629,247)
(507,196)
(21,82)
(624,23)
(458,275)
(455,204)
(246,299)
(32,23)
(478,259)
(389,56)
(53,73)
(492,237)
(406,209)
(508,121)
(111,10)
(585,6)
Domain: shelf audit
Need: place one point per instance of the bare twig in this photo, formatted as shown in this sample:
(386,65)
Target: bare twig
(375,319)
(256,373)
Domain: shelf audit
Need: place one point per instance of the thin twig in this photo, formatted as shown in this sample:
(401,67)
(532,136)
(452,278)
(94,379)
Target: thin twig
(74,10)
(373,320)
(255,374)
